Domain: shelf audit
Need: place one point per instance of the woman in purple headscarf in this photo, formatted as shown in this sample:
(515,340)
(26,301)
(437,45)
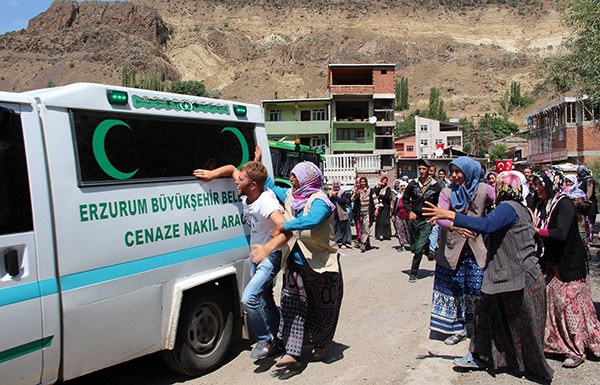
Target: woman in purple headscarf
(312,281)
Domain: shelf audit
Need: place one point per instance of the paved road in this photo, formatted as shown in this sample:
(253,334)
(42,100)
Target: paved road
(382,338)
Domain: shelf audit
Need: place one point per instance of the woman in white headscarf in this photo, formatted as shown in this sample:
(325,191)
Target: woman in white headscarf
(401,221)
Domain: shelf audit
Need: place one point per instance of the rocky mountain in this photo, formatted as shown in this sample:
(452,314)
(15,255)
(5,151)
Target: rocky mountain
(265,49)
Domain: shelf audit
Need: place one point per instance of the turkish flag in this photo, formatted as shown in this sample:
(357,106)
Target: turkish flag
(504,165)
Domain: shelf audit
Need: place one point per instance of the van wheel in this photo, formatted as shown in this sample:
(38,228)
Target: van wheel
(204,333)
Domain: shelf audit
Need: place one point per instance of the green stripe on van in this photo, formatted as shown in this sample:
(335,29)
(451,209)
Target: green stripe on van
(27,348)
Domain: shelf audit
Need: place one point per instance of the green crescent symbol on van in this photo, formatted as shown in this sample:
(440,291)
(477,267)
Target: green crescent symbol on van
(243,143)
(100,152)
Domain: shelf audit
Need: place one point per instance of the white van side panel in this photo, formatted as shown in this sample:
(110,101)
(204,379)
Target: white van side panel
(111,277)
(44,240)
(32,296)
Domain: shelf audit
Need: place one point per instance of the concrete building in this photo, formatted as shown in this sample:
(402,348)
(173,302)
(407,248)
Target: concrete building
(362,109)
(565,130)
(431,134)
(305,119)
(406,147)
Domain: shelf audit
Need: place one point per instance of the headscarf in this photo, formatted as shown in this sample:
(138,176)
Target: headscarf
(311,180)
(488,175)
(333,182)
(574,192)
(554,183)
(462,195)
(511,186)
(583,173)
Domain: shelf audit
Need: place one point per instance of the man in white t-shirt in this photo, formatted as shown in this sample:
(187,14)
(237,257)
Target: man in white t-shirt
(262,211)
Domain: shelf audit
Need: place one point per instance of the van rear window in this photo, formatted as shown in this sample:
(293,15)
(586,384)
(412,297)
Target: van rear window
(125,148)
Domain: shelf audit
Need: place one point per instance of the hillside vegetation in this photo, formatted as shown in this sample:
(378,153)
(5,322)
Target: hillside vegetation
(264,49)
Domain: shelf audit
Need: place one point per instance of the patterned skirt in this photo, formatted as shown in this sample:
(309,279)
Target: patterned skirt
(571,324)
(509,329)
(455,296)
(402,231)
(310,307)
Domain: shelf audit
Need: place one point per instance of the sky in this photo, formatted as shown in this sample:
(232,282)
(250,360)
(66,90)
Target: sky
(15,14)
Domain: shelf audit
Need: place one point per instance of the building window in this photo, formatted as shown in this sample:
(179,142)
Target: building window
(424,142)
(439,141)
(304,115)
(424,128)
(410,148)
(319,114)
(350,134)
(275,116)
(454,141)
(316,141)
(384,72)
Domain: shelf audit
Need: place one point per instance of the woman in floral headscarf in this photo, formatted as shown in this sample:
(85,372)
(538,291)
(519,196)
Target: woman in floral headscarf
(509,322)
(312,281)
(571,323)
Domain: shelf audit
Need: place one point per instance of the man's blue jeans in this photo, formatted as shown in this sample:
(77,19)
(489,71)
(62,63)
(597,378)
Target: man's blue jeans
(263,315)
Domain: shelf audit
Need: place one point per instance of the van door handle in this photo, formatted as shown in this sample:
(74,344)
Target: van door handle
(11,262)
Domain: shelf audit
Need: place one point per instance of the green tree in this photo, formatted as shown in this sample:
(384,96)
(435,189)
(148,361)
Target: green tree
(436,106)
(474,137)
(578,70)
(402,94)
(498,126)
(497,152)
(189,87)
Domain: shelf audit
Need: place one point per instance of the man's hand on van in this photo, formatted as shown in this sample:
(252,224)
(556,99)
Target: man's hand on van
(258,154)
(224,171)
(206,175)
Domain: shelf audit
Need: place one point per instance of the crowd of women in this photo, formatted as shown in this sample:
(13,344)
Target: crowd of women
(511,257)
(513,280)
(524,293)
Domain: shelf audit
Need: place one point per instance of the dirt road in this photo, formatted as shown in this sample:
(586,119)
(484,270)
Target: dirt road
(382,338)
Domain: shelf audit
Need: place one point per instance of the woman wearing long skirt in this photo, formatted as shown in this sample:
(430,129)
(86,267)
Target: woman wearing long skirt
(365,201)
(401,220)
(312,281)
(510,319)
(571,323)
(383,229)
(461,255)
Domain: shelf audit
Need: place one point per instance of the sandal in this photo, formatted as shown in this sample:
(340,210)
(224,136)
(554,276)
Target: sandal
(455,338)
(469,362)
(573,361)
(318,354)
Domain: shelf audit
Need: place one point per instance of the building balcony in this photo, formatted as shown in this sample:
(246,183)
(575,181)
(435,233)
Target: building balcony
(347,89)
(320,127)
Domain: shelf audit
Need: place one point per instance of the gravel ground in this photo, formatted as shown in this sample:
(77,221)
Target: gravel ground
(382,338)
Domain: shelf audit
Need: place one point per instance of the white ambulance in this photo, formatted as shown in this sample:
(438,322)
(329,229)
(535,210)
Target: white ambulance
(109,248)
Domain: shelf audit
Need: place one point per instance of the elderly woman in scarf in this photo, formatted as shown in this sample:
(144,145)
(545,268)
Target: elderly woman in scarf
(571,323)
(510,319)
(588,185)
(312,281)
(401,221)
(461,254)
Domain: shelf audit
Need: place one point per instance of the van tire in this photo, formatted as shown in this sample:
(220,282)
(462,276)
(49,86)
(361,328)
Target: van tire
(204,333)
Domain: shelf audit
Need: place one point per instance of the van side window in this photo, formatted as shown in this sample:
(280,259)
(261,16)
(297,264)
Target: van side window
(15,201)
(124,148)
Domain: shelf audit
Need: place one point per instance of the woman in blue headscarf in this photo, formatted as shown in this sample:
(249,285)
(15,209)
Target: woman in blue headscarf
(461,254)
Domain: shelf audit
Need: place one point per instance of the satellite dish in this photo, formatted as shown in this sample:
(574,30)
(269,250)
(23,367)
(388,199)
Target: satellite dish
(438,152)
(372,119)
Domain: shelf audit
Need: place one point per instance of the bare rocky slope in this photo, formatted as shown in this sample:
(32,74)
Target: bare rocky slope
(258,49)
